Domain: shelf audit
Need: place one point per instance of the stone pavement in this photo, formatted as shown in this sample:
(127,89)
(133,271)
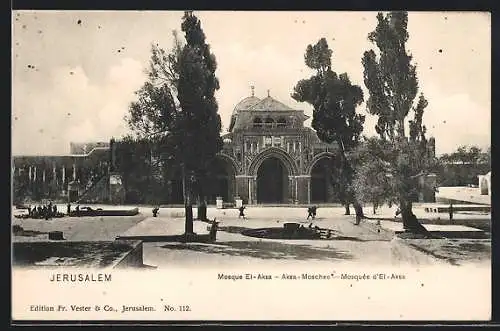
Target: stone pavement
(352,244)
(363,244)
(78,228)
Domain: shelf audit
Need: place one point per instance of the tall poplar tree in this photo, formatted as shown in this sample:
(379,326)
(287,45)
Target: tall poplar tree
(391,80)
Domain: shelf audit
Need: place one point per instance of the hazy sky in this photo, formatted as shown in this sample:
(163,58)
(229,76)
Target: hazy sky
(74,73)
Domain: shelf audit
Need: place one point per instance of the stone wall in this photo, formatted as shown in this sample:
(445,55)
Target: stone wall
(133,259)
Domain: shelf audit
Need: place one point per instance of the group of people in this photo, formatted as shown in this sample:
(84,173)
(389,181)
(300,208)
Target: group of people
(46,211)
(68,208)
(311,212)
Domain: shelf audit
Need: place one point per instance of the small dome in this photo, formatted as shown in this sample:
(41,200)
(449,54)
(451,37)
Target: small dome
(246,103)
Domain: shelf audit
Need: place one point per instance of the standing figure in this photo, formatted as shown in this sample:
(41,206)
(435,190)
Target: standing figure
(68,208)
(29,210)
(213,230)
(310,213)
(451,212)
(242,212)
(155,211)
(45,213)
(313,209)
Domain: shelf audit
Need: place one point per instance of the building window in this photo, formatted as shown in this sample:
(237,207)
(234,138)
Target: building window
(269,122)
(281,123)
(257,122)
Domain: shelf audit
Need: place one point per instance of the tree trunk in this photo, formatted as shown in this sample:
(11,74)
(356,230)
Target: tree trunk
(410,221)
(348,170)
(359,211)
(347,209)
(202,201)
(188,206)
(202,208)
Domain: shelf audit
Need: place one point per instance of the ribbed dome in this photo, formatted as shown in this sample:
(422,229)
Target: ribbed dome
(246,103)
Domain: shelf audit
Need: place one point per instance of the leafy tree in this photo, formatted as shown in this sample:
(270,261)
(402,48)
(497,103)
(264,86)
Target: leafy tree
(177,111)
(20,183)
(485,157)
(156,109)
(392,82)
(462,166)
(371,183)
(334,99)
(133,162)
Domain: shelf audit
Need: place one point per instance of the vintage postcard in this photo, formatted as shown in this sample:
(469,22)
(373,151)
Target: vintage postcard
(251,166)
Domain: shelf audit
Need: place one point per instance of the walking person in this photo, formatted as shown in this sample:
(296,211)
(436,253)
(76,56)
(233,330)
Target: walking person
(313,209)
(310,213)
(242,212)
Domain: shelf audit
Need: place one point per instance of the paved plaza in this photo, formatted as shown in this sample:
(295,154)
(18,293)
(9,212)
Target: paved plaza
(366,244)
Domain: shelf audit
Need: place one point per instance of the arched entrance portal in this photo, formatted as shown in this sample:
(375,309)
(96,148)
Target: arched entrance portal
(272,181)
(322,190)
(221,181)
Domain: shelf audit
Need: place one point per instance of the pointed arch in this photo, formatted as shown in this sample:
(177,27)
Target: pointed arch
(278,153)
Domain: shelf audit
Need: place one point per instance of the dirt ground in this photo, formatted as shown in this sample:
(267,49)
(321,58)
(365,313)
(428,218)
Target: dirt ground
(351,245)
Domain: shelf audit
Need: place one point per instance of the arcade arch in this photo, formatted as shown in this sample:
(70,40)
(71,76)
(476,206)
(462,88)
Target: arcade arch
(221,179)
(272,181)
(321,187)
(272,169)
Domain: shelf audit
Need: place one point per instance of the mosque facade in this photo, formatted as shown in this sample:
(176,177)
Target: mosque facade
(271,157)
(268,157)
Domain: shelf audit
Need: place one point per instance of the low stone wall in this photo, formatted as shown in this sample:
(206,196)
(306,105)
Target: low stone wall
(133,259)
(78,254)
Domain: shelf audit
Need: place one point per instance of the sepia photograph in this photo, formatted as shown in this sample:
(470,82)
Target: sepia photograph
(251,165)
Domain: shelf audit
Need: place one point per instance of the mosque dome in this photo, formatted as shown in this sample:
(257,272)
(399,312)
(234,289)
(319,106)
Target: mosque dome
(246,103)
(242,114)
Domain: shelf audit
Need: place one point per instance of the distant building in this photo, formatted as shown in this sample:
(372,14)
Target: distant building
(48,177)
